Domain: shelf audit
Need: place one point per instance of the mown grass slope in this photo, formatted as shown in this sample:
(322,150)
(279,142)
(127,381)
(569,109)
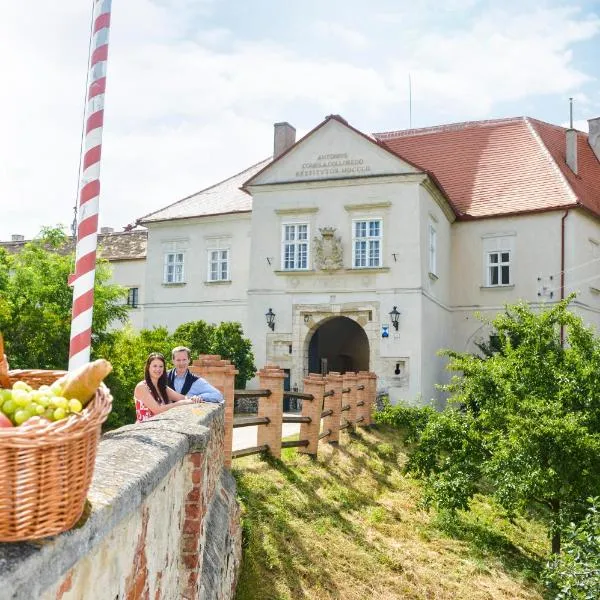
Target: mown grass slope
(349,525)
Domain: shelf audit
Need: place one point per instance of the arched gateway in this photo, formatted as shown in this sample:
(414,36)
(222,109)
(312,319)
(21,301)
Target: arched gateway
(338,344)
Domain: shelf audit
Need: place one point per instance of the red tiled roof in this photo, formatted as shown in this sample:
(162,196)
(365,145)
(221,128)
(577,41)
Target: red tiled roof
(503,166)
(586,184)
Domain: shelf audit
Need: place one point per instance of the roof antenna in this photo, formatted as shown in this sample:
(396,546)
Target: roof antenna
(409,103)
(570,113)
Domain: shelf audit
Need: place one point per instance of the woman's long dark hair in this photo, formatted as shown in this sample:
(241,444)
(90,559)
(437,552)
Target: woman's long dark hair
(160,394)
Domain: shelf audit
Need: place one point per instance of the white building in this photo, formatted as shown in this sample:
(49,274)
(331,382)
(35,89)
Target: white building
(341,230)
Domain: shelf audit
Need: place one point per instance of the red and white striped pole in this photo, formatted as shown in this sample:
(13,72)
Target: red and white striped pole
(89,190)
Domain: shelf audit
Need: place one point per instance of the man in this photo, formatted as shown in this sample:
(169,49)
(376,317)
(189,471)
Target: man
(181,380)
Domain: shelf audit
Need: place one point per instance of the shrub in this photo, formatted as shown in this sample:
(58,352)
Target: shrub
(575,573)
(410,419)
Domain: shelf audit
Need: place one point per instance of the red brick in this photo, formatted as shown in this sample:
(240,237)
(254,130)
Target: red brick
(65,586)
(194,495)
(197,459)
(139,589)
(191,526)
(190,543)
(190,560)
(192,511)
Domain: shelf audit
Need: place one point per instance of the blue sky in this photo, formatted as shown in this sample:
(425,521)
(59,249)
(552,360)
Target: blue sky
(194,86)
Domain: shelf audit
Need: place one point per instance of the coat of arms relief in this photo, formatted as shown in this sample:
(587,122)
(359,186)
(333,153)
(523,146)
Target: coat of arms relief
(329,255)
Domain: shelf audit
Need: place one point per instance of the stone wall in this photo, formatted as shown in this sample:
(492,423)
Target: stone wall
(162,521)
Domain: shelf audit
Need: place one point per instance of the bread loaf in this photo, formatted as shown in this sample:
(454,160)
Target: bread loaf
(83,382)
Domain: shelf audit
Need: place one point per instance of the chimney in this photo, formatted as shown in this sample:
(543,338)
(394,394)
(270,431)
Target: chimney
(17,237)
(594,135)
(572,149)
(105,230)
(284,138)
(571,141)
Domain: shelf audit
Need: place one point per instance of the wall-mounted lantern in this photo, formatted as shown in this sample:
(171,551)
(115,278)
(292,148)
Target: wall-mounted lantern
(395,317)
(270,316)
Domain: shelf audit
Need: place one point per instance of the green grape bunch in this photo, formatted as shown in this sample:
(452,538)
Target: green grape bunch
(22,402)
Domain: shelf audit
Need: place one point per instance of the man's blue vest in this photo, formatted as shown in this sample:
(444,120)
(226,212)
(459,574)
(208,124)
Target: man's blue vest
(187,384)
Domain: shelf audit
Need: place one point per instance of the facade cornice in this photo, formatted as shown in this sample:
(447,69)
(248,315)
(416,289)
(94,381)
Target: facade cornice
(367,206)
(194,218)
(439,199)
(341,182)
(320,272)
(296,211)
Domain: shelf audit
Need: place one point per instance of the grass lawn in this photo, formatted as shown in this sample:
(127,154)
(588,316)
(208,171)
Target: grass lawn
(348,525)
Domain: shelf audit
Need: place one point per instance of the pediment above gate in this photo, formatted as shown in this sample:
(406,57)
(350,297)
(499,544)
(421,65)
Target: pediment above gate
(333,150)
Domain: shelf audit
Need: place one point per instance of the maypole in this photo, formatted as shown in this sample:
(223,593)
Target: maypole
(89,190)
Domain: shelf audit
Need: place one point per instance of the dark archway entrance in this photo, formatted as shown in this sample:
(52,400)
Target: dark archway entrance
(340,344)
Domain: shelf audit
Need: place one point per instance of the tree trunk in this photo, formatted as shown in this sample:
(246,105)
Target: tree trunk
(556,542)
(556,533)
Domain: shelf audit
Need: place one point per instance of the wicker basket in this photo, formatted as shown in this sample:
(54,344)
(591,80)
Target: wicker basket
(46,468)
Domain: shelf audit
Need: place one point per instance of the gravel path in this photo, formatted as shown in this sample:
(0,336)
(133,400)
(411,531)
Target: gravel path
(245,437)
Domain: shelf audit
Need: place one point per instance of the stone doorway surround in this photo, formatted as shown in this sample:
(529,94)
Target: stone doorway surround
(307,318)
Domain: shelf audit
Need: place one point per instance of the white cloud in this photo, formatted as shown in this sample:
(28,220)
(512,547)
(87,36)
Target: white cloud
(189,104)
(503,57)
(337,31)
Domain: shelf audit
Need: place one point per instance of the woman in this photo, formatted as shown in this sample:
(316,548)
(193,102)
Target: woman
(152,396)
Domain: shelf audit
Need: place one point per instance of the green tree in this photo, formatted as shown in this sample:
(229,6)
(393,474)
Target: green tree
(226,339)
(575,573)
(5,306)
(36,301)
(229,342)
(196,335)
(524,422)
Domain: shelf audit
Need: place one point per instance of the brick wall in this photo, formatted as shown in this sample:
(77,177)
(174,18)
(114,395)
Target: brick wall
(163,522)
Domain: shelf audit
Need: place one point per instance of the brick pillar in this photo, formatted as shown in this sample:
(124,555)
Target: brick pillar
(271,378)
(370,399)
(349,381)
(333,382)
(313,384)
(221,374)
(363,379)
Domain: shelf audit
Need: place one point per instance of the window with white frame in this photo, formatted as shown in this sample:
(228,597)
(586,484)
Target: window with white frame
(432,250)
(218,264)
(498,259)
(174,267)
(366,243)
(498,268)
(294,246)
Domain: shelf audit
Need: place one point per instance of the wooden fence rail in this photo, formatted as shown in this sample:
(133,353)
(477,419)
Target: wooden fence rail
(333,403)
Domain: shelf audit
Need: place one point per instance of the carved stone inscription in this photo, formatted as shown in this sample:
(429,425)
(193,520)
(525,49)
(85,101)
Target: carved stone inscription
(340,164)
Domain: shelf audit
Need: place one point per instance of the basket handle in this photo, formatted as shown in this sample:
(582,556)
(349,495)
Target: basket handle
(4,381)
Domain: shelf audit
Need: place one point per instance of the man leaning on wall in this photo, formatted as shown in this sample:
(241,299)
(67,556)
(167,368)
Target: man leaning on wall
(183,381)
